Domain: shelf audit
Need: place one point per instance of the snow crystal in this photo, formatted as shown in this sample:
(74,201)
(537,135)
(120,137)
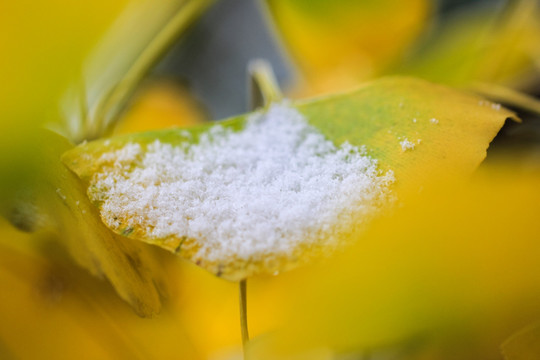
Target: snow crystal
(406,144)
(261,191)
(494,106)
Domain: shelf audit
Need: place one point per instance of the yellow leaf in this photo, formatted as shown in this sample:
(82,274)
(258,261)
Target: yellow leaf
(416,129)
(339,44)
(456,266)
(43,45)
(109,78)
(56,200)
(507,96)
(482,45)
(448,131)
(161,105)
(52,309)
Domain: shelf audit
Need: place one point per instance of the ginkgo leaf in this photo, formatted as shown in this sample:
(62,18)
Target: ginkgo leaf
(56,201)
(401,126)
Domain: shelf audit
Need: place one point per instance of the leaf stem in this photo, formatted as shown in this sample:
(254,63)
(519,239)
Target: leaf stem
(243,313)
(263,86)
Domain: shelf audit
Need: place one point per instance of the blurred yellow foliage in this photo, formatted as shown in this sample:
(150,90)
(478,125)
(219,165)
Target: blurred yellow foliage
(56,201)
(65,313)
(44,44)
(483,44)
(455,263)
(337,44)
(42,193)
(51,309)
(456,267)
(161,105)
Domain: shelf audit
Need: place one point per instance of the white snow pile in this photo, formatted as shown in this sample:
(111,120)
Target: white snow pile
(249,194)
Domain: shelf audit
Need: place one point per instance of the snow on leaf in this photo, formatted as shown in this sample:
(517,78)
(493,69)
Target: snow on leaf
(259,193)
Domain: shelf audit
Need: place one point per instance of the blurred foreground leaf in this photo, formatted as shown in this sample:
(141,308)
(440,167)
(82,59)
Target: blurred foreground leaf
(415,129)
(43,45)
(111,77)
(484,44)
(161,105)
(447,276)
(52,309)
(48,196)
(339,44)
(56,200)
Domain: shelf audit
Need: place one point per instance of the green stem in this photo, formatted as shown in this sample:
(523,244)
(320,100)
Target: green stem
(243,314)
(264,88)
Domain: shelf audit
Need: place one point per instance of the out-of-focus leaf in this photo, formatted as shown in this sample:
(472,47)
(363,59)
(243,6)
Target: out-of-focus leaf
(524,345)
(52,309)
(339,44)
(52,196)
(57,201)
(111,76)
(508,96)
(491,45)
(456,266)
(447,134)
(47,291)
(161,105)
(43,45)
